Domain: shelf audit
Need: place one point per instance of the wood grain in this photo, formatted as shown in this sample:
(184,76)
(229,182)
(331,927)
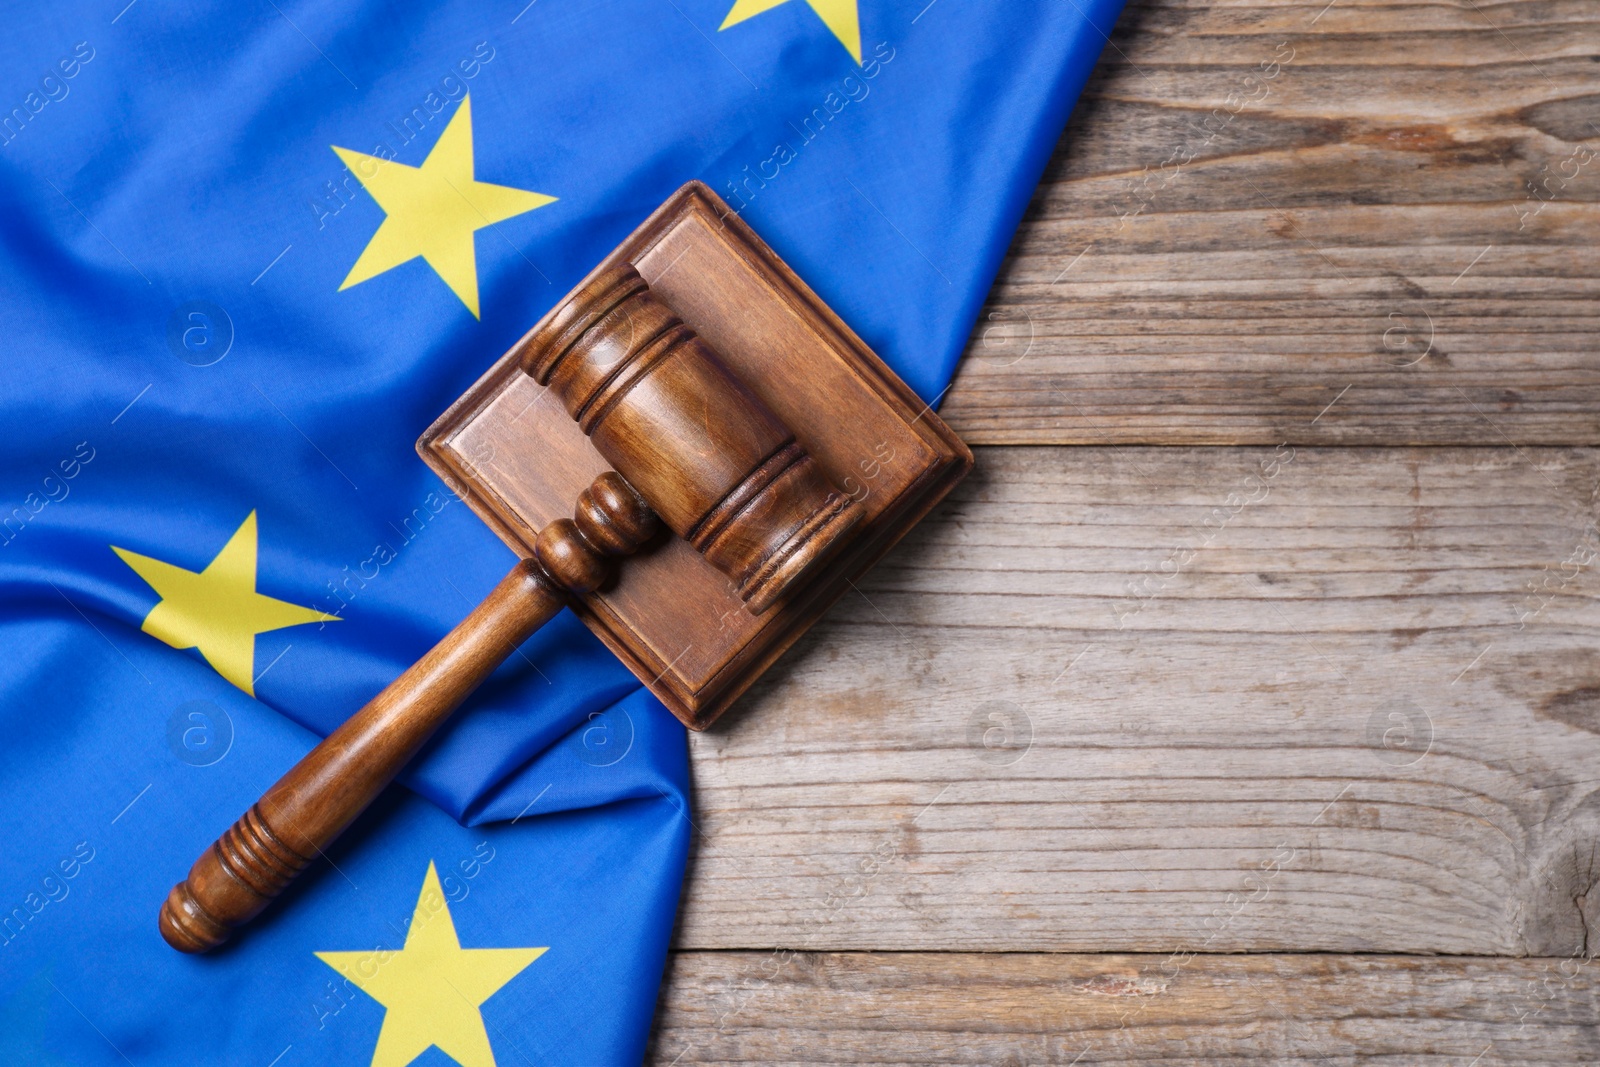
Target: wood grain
(1146,699)
(660,406)
(515,451)
(1096,705)
(1259,209)
(1016,1010)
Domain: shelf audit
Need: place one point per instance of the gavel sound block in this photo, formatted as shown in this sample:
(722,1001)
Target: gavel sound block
(691,381)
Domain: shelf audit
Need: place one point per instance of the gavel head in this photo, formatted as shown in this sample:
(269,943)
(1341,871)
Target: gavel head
(707,454)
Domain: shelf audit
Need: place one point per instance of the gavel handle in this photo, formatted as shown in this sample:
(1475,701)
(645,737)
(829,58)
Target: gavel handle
(320,796)
(308,808)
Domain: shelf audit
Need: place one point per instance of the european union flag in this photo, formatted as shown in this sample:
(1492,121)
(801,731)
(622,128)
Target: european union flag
(250,252)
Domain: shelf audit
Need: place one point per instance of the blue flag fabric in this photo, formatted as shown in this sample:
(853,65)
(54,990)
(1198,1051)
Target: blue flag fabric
(249,254)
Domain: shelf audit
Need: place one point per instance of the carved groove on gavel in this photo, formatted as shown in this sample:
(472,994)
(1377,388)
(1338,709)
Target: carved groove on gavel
(688,443)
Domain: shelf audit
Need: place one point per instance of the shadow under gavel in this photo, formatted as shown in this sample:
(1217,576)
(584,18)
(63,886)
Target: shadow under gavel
(689,444)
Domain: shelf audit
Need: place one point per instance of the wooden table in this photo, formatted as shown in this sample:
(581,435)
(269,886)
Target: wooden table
(1244,706)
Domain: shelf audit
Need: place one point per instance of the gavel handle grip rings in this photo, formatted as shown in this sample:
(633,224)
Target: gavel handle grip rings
(310,806)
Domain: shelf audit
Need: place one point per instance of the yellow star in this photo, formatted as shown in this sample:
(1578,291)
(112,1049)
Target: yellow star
(433,988)
(433,210)
(840,16)
(217,610)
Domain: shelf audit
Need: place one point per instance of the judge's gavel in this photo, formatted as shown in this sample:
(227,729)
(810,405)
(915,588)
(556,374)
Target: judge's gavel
(688,443)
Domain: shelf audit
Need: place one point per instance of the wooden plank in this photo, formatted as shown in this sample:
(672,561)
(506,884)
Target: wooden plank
(1015,1010)
(1137,699)
(1399,206)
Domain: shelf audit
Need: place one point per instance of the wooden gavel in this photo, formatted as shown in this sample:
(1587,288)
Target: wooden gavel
(687,442)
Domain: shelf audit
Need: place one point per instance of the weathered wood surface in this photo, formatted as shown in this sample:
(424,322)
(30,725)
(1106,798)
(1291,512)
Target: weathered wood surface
(1118,699)
(1146,699)
(1016,1010)
(1398,206)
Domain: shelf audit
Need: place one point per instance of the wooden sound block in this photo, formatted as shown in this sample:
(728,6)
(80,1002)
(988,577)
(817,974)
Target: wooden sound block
(512,451)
